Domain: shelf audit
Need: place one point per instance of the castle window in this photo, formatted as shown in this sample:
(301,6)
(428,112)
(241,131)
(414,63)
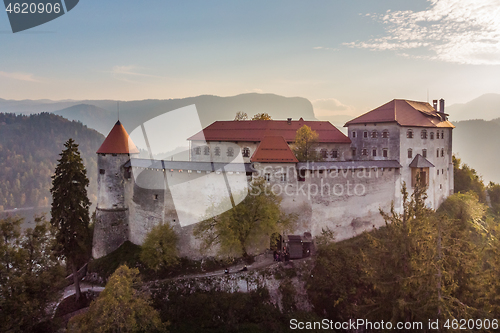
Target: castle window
(410,153)
(442,171)
(102,171)
(267,177)
(385,152)
(374,134)
(334,153)
(246,152)
(197,150)
(155,197)
(353,152)
(409,134)
(432,135)
(324,153)
(424,153)
(283,177)
(385,134)
(374,152)
(230,151)
(217,151)
(442,152)
(437,135)
(301,175)
(423,134)
(365,134)
(206,150)
(249,176)
(438,172)
(442,134)
(437,152)
(353,134)
(364,152)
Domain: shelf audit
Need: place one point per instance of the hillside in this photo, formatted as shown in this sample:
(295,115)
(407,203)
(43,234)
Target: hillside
(29,150)
(485,107)
(101,114)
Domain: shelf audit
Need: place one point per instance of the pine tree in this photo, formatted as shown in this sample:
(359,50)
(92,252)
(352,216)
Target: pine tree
(70,208)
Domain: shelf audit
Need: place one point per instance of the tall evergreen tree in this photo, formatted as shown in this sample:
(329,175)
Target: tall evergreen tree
(70,208)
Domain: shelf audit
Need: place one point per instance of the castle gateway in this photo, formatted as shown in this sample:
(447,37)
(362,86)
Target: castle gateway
(400,141)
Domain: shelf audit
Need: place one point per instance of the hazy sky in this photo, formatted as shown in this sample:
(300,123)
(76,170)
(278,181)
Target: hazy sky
(345,56)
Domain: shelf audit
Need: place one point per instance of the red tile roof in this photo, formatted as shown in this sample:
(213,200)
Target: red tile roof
(274,149)
(405,113)
(256,130)
(118,142)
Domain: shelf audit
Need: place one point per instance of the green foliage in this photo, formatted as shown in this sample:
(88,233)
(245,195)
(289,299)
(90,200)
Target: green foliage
(29,146)
(305,142)
(493,190)
(248,226)
(119,308)
(30,274)
(466,179)
(159,250)
(70,208)
(261,116)
(127,254)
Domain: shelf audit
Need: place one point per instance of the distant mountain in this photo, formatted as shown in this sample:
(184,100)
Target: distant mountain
(29,150)
(476,143)
(485,107)
(134,113)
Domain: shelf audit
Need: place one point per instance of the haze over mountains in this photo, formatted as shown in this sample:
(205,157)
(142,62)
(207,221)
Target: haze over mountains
(475,141)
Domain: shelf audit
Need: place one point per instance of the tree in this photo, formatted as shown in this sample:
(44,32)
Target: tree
(30,274)
(261,116)
(70,208)
(159,250)
(240,115)
(466,179)
(121,307)
(305,141)
(248,226)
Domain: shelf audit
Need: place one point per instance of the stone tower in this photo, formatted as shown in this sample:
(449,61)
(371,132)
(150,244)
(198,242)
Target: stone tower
(112,213)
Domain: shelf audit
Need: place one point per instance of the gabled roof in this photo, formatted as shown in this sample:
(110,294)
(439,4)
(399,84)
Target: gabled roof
(405,113)
(118,142)
(256,130)
(421,162)
(274,149)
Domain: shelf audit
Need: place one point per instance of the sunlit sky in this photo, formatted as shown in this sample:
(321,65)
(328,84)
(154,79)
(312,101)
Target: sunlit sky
(346,57)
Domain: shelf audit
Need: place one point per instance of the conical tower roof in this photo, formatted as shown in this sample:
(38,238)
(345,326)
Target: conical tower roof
(118,142)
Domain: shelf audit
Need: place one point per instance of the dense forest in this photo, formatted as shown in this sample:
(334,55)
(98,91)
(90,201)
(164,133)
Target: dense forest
(29,150)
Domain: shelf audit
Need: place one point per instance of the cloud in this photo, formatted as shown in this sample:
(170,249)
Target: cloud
(131,71)
(331,107)
(19,76)
(456,31)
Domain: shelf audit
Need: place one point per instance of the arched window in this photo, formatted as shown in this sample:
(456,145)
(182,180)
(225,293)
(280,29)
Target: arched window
(409,134)
(197,150)
(324,153)
(385,134)
(230,151)
(432,135)
(217,151)
(410,153)
(335,153)
(374,134)
(423,134)
(246,152)
(206,150)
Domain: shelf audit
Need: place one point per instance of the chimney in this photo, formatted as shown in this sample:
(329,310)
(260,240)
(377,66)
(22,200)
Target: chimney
(289,121)
(441,105)
(435,104)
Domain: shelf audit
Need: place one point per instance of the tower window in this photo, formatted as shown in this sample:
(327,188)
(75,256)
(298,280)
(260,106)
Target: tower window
(353,134)
(410,153)
(246,152)
(442,134)
(409,134)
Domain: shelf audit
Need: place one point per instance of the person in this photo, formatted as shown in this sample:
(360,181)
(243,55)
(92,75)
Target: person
(244,269)
(226,271)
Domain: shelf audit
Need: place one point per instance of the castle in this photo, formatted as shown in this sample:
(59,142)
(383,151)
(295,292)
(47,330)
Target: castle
(359,174)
